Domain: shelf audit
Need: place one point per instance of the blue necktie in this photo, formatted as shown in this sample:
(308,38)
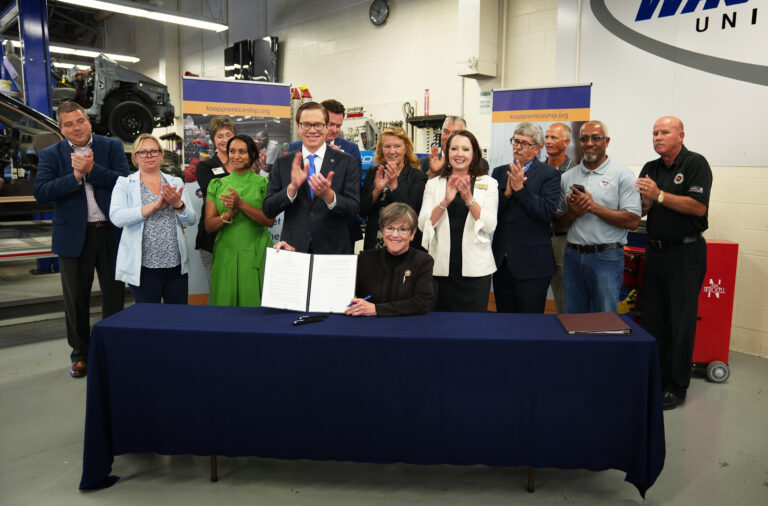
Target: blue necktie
(310,172)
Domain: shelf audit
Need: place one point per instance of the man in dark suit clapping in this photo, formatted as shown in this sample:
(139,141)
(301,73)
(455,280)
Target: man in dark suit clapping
(317,187)
(529,192)
(77,175)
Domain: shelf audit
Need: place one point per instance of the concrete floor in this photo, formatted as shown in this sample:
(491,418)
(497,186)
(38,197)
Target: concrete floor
(717,446)
(717,454)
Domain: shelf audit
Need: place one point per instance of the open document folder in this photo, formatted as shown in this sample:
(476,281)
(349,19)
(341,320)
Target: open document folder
(305,282)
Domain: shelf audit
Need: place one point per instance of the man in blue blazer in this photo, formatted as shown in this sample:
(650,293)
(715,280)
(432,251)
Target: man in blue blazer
(335,120)
(317,187)
(77,175)
(529,193)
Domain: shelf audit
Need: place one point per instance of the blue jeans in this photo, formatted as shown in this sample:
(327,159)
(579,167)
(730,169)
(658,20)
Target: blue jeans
(592,280)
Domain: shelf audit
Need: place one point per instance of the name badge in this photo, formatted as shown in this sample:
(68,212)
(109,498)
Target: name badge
(481,186)
(218,171)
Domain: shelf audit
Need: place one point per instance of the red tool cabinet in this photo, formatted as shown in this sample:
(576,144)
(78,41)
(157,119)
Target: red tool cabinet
(713,331)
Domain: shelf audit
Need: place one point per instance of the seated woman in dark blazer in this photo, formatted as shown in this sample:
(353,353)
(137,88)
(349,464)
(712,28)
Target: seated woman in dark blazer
(398,278)
(395,280)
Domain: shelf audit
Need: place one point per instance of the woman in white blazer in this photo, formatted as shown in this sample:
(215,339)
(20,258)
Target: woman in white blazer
(148,205)
(457,218)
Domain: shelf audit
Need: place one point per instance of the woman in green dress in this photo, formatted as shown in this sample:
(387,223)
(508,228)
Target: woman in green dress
(233,209)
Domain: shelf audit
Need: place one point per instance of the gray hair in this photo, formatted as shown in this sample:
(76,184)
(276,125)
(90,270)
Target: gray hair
(532,130)
(455,119)
(395,212)
(605,128)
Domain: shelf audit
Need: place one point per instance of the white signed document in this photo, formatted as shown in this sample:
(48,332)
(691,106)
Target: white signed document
(305,282)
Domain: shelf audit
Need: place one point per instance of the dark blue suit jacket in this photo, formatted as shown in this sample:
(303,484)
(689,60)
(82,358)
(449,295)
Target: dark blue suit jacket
(348,147)
(55,182)
(307,218)
(523,227)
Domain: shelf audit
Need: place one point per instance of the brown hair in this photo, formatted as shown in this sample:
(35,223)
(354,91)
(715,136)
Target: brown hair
(310,106)
(69,106)
(476,168)
(219,122)
(410,157)
(333,106)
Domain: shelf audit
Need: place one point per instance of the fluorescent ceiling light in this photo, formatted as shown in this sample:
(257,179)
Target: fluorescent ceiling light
(65,65)
(149,12)
(134,10)
(86,52)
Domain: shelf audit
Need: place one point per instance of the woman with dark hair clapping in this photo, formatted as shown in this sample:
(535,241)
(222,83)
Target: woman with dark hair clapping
(233,209)
(458,217)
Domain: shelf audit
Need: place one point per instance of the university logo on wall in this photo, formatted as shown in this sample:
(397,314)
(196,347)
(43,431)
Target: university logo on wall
(722,37)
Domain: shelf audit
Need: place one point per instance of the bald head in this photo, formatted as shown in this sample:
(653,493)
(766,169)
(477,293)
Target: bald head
(668,136)
(556,139)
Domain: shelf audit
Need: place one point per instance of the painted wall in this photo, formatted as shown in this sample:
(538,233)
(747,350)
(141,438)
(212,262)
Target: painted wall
(333,48)
(633,87)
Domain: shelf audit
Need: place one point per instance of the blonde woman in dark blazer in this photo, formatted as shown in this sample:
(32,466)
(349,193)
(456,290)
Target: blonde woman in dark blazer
(457,219)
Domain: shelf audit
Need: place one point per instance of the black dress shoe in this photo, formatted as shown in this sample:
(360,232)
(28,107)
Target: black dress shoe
(78,369)
(671,401)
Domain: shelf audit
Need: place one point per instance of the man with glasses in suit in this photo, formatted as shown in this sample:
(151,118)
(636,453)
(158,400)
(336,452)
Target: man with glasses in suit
(318,188)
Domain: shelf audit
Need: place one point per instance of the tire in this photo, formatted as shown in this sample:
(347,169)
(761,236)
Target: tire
(718,372)
(130,119)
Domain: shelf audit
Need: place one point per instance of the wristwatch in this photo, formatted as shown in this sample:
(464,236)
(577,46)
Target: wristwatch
(660,199)
(181,206)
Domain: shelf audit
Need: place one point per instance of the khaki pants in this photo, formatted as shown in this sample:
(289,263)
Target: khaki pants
(558,247)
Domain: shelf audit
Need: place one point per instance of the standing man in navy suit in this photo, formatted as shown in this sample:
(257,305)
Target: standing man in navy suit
(529,192)
(317,187)
(77,175)
(336,112)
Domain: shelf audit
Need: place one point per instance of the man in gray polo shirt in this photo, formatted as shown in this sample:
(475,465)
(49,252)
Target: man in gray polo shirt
(599,203)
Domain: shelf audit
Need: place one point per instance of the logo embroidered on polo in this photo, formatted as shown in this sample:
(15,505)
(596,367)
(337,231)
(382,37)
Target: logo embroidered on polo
(679,178)
(696,189)
(604,183)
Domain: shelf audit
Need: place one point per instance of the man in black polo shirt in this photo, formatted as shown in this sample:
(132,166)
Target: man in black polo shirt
(675,193)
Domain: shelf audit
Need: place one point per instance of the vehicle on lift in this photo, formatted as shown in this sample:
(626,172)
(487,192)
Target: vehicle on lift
(24,132)
(122,102)
(119,101)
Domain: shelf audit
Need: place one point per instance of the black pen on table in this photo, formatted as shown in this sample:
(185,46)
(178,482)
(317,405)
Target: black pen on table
(364,298)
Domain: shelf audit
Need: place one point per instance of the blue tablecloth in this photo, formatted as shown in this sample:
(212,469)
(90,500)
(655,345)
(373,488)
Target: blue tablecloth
(441,388)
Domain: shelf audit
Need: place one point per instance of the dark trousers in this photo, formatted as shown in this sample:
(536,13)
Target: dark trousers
(166,285)
(456,293)
(519,295)
(99,252)
(671,284)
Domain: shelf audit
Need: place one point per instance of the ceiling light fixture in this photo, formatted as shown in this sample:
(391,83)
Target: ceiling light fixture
(85,52)
(147,11)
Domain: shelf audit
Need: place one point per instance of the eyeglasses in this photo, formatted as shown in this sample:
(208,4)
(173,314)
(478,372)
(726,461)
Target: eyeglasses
(307,126)
(144,153)
(399,230)
(522,144)
(595,138)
